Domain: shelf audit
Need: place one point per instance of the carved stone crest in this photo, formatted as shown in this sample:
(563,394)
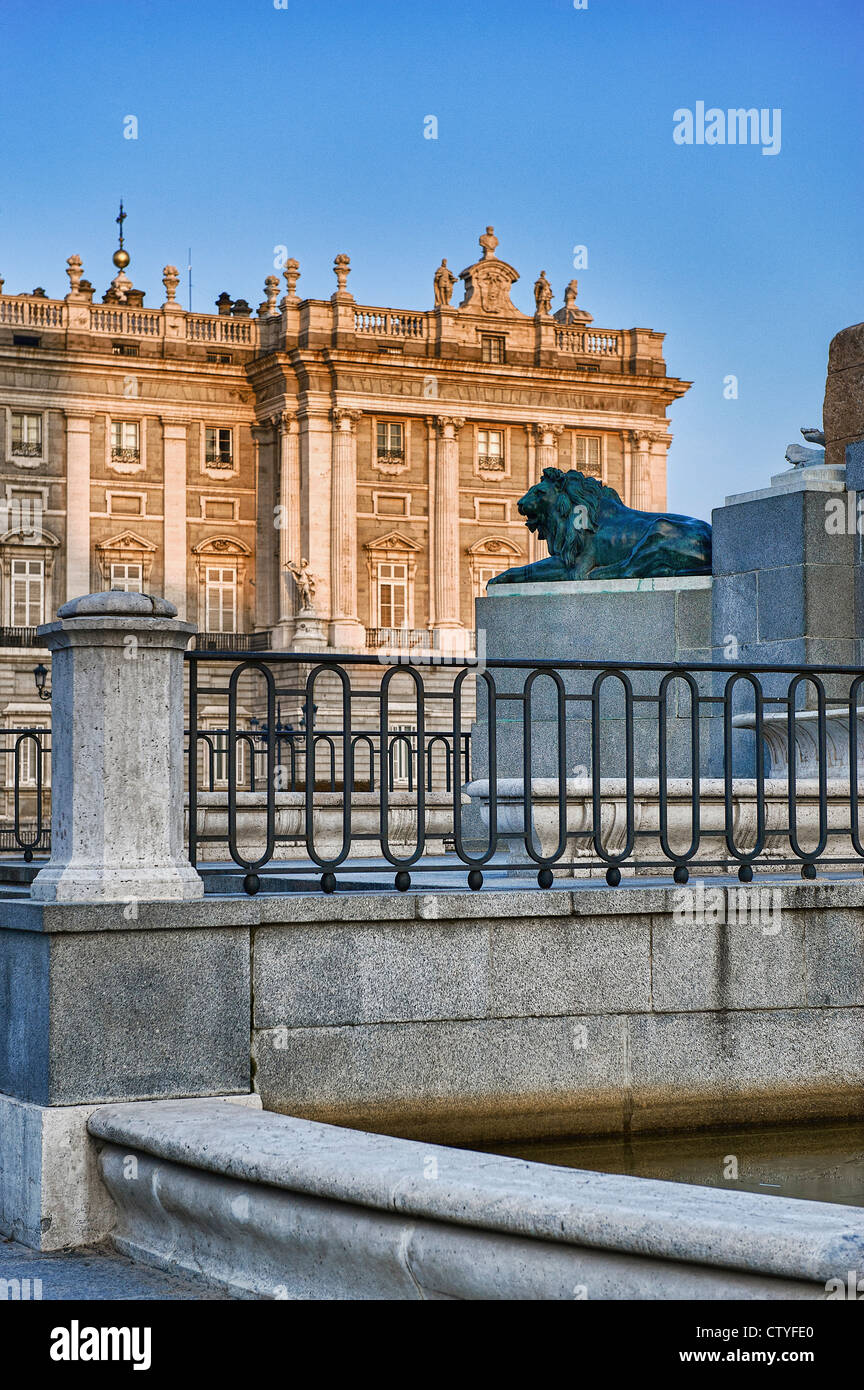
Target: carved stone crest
(488,282)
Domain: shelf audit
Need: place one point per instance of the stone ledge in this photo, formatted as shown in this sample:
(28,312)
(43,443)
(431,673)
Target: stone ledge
(738,1231)
(593,899)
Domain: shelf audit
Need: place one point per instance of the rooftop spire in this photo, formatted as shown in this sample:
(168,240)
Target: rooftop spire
(121,257)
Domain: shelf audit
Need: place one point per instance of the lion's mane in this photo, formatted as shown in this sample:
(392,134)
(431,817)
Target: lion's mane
(553,505)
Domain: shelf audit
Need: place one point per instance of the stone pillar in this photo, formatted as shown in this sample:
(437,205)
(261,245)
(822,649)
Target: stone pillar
(174,526)
(117,753)
(316,470)
(445,559)
(546,442)
(640,442)
(77,505)
(345,627)
(265,600)
(289,514)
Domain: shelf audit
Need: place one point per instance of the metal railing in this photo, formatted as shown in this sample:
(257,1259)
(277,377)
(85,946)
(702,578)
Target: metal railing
(584,768)
(25,795)
(18,637)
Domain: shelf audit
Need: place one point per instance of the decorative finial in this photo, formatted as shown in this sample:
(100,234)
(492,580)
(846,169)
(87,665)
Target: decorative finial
(170,279)
(74,269)
(121,258)
(291,272)
(271,294)
(342,269)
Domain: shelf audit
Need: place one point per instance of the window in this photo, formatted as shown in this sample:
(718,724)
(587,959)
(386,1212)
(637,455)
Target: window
(484,572)
(402,745)
(218,509)
(126,350)
(218,448)
(391,441)
(28,753)
(588,455)
(128,577)
(223,358)
(25,340)
(125,444)
(26,435)
(392,594)
(220,598)
(490,450)
(492,347)
(27,593)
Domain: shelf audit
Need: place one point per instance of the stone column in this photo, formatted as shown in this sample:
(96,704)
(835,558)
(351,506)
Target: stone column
(445,559)
(345,627)
(289,514)
(546,441)
(640,442)
(117,753)
(77,505)
(174,526)
(316,471)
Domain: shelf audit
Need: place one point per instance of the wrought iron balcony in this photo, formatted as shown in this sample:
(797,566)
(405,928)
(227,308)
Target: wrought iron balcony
(26,451)
(494,463)
(125,455)
(18,637)
(219,458)
(391,455)
(230,641)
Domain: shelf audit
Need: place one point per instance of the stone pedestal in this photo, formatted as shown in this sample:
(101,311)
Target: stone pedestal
(665,620)
(117,753)
(785,572)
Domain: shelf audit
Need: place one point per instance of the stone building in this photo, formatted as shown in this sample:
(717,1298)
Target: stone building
(197,455)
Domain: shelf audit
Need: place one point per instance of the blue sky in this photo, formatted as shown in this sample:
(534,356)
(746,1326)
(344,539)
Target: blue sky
(303,127)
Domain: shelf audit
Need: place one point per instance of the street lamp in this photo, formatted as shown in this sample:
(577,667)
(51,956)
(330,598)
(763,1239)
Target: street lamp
(40,676)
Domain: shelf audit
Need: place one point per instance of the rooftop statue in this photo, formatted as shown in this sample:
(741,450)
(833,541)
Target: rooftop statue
(592,535)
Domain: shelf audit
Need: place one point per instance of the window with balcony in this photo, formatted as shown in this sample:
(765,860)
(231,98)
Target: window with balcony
(220,598)
(492,347)
(218,447)
(128,577)
(490,451)
(26,435)
(125,441)
(588,456)
(125,349)
(27,593)
(391,442)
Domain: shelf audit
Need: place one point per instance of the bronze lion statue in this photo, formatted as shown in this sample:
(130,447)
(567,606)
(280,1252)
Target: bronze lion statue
(592,535)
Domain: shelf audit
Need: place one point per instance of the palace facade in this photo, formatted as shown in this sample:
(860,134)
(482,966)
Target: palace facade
(198,455)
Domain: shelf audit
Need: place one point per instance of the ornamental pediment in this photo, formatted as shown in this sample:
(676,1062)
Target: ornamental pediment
(487,289)
(127,540)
